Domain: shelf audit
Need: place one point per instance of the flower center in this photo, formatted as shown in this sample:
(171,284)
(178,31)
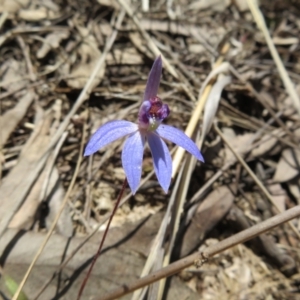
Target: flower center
(152,113)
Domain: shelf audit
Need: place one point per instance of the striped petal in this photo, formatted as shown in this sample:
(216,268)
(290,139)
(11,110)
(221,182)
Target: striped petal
(153,79)
(108,133)
(179,138)
(161,159)
(132,159)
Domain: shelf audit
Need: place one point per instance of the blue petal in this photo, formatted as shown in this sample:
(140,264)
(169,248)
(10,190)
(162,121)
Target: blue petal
(153,79)
(179,138)
(132,159)
(161,159)
(108,133)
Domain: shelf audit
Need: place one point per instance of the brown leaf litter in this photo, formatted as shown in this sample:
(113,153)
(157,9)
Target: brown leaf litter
(49,50)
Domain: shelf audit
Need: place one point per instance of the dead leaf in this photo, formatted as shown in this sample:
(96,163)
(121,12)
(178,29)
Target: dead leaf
(33,15)
(110,3)
(12,117)
(121,262)
(287,106)
(15,75)
(88,55)
(240,143)
(26,215)
(242,5)
(214,5)
(52,41)
(211,211)
(140,43)
(45,10)
(124,56)
(285,41)
(279,195)
(15,186)
(268,143)
(288,166)
(103,195)
(56,195)
(196,48)
(13,6)
(294,188)
(263,242)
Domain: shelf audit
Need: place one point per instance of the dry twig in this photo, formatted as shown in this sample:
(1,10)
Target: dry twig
(199,258)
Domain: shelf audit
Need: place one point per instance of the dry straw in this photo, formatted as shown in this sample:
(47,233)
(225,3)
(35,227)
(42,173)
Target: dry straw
(261,24)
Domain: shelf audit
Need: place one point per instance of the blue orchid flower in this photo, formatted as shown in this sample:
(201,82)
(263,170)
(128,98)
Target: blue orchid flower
(148,129)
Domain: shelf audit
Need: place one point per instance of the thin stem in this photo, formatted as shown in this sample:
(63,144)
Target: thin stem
(66,261)
(102,241)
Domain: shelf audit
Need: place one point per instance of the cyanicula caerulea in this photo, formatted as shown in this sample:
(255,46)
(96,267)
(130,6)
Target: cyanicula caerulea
(147,129)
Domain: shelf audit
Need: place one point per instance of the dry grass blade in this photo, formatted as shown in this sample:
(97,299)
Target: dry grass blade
(145,5)
(259,19)
(199,258)
(3,18)
(63,204)
(15,187)
(224,67)
(45,184)
(212,104)
(179,196)
(185,86)
(254,177)
(51,165)
(63,265)
(264,103)
(83,95)
(147,37)
(11,118)
(174,214)
(159,239)
(41,160)
(92,69)
(187,167)
(196,114)
(225,167)
(88,87)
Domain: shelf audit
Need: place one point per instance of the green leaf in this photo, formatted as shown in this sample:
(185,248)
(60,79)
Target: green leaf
(12,286)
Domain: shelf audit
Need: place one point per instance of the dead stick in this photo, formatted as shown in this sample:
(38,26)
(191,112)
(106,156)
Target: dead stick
(199,258)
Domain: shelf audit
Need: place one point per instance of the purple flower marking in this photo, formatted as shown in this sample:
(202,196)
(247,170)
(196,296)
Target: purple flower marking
(148,129)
